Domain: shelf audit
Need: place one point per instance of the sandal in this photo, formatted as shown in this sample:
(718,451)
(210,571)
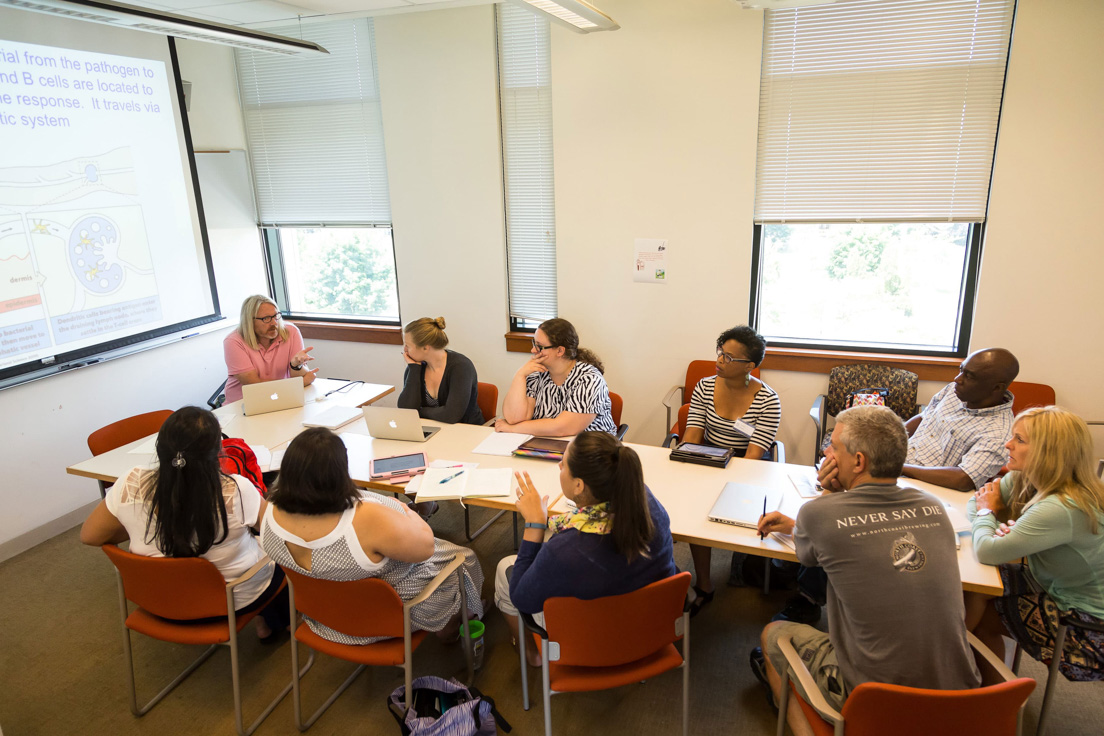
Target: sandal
(701,600)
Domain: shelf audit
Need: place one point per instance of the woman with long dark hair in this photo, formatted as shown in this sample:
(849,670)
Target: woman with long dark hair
(616,541)
(560,391)
(321,525)
(186,507)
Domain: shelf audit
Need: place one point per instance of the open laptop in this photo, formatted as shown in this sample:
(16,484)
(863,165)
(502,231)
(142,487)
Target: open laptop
(742,505)
(386,423)
(261,398)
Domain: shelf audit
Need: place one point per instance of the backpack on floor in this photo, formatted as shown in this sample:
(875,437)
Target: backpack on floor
(445,708)
(237,458)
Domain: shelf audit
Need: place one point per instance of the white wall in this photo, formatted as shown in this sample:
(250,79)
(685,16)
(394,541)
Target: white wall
(655,128)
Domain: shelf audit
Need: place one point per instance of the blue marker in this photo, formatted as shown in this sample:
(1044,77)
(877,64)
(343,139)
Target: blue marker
(451,477)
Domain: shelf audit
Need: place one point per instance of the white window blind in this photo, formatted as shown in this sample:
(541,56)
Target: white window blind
(315,130)
(526,101)
(880,110)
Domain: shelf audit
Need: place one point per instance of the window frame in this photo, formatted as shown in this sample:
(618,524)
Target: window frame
(967,301)
(277,282)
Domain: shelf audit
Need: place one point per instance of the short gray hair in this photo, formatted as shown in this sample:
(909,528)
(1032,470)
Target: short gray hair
(879,434)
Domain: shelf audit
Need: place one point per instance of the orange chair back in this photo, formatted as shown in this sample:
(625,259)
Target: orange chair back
(487,399)
(126,430)
(874,709)
(1026,395)
(367,607)
(171,587)
(617,629)
(697,370)
(616,405)
(680,425)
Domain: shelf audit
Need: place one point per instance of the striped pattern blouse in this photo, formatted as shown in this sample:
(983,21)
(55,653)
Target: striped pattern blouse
(584,391)
(765,414)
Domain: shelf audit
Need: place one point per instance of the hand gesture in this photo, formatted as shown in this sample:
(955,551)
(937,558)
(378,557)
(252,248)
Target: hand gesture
(501,425)
(407,358)
(775,521)
(302,358)
(532,506)
(828,475)
(1005,528)
(532,366)
(989,497)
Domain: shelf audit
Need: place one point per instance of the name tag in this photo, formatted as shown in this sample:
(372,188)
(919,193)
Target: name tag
(743,427)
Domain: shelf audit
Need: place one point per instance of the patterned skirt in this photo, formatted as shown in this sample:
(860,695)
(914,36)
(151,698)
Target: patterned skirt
(1031,617)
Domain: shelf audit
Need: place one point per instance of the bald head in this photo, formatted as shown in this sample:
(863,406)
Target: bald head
(984,376)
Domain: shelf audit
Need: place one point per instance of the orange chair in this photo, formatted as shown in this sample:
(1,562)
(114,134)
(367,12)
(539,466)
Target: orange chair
(1026,395)
(616,404)
(609,642)
(125,431)
(697,370)
(368,607)
(171,591)
(487,398)
(875,709)
(777,451)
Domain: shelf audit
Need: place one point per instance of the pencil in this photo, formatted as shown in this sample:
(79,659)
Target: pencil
(761,534)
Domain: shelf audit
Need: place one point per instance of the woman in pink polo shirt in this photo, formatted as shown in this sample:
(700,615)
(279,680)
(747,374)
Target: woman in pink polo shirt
(263,348)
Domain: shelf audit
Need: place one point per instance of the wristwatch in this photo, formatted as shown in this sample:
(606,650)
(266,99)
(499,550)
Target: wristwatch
(983,512)
(294,367)
(531,525)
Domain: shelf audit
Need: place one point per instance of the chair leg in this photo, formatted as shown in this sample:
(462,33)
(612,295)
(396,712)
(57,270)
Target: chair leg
(235,676)
(467,524)
(547,689)
(465,626)
(524,664)
(1052,678)
(685,674)
(784,704)
(766,575)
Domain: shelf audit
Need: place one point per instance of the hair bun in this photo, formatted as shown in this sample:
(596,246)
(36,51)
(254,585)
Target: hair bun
(440,322)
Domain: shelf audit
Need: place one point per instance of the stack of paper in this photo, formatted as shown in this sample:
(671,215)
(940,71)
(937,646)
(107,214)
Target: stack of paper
(502,444)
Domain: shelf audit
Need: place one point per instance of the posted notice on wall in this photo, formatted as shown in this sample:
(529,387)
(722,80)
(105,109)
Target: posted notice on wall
(650,261)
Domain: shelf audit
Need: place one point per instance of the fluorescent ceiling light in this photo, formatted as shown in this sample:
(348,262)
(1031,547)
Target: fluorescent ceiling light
(577,15)
(166,24)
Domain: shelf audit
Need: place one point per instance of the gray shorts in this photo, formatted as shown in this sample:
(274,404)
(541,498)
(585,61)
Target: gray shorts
(818,654)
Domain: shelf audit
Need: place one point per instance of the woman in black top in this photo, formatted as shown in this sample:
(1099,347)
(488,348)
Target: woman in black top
(441,384)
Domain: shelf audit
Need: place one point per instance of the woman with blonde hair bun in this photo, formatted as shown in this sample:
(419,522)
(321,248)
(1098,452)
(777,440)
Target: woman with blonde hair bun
(1048,510)
(441,384)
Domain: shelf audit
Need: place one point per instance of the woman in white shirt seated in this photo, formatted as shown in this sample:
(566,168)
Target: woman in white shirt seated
(186,507)
(560,391)
(731,408)
(1048,511)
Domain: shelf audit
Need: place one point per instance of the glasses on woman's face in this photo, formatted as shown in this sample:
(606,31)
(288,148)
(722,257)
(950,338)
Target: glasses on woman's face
(268,320)
(726,358)
(541,348)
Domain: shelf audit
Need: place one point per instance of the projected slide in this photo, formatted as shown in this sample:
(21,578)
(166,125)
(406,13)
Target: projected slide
(98,235)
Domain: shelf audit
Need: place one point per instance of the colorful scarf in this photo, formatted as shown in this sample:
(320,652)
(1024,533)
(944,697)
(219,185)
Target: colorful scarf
(594,519)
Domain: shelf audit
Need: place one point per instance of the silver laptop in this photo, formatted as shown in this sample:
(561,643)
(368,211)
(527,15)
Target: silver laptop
(386,423)
(742,505)
(261,398)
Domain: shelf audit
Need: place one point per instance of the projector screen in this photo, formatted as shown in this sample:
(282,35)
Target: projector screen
(102,242)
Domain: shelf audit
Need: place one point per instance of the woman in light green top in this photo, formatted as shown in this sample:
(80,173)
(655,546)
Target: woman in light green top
(1049,511)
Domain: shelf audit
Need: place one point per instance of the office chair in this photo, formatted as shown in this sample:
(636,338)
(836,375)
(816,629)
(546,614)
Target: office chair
(123,432)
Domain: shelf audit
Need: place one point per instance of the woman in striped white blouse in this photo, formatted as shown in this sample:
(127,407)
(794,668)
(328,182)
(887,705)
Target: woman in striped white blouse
(560,391)
(732,409)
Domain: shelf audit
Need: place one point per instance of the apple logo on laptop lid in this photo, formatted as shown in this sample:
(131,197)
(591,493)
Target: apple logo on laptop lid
(392,424)
(274,397)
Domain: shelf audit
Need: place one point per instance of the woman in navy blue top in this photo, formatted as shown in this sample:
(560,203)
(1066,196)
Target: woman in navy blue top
(617,541)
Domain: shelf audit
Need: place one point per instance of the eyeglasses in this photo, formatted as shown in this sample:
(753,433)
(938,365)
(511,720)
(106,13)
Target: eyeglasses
(541,348)
(726,358)
(268,320)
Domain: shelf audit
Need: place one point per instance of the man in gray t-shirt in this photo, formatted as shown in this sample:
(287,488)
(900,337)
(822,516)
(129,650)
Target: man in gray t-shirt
(895,611)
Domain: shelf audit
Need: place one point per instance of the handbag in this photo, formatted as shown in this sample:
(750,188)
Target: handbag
(866,397)
(441,707)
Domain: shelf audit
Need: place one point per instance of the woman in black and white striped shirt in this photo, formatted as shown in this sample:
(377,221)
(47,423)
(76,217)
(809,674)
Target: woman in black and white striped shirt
(732,409)
(560,391)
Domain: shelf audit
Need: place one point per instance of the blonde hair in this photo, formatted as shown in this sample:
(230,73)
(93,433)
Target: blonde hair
(426,332)
(1059,462)
(249,310)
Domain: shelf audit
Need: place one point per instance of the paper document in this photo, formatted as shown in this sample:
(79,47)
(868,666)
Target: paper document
(502,444)
(786,539)
(806,484)
(958,519)
(334,417)
(264,456)
(274,464)
(452,483)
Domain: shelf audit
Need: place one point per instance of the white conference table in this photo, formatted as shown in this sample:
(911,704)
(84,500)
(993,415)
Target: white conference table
(687,491)
(271,430)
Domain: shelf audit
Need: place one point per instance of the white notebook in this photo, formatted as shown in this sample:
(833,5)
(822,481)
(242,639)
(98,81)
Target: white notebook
(450,483)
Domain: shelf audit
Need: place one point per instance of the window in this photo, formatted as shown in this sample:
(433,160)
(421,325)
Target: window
(315,134)
(525,99)
(877,125)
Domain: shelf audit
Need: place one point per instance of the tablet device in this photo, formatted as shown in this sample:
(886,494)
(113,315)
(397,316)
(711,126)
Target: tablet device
(386,468)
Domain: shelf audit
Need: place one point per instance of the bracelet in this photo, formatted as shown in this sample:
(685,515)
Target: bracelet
(531,525)
(294,367)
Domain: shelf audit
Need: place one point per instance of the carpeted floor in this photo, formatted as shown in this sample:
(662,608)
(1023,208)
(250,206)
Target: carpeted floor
(62,670)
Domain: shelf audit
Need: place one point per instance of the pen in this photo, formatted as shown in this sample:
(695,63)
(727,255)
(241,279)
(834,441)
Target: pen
(761,534)
(461,472)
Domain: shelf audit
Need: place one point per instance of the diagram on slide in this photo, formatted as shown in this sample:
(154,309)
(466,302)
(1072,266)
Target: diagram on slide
(75,259)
